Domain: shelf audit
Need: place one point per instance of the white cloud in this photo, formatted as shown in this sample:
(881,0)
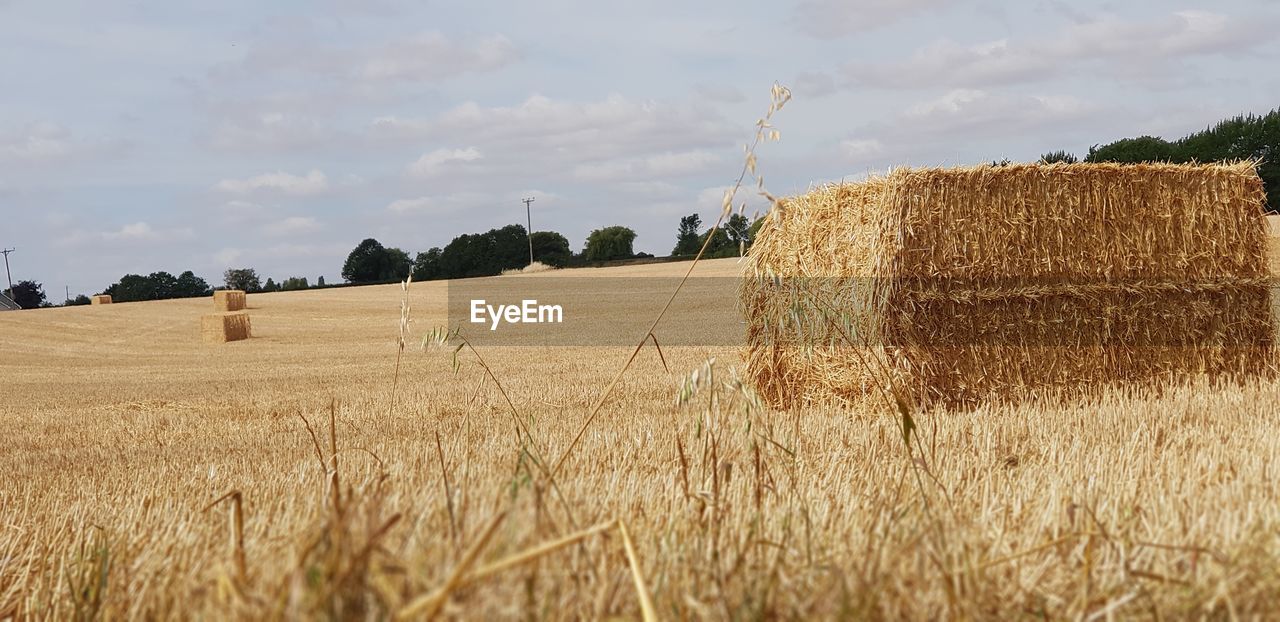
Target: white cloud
(438,205)
(314,182)
(437,161)
(658,165)
(861,148)
(292,225)
(1146,50)
(828,19)
(413,58)
(721,93)
(227,256)
(431,56)
(36,142)
(135,231)
(580,131)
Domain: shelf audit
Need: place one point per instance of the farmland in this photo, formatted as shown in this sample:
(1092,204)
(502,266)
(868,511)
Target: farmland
(121,430)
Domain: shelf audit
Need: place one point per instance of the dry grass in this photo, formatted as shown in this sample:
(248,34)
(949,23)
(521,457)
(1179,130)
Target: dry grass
(532,268)
(122,433)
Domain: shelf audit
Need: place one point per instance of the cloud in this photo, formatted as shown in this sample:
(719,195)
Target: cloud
(828,19)
(656,166)
(414,58)
(270,130)
(314,182)
(1146,50)
(431,164)
(132,233)
(720,93)
(582,130)
(431,56)
(438,205)
(292,225)
(861,148)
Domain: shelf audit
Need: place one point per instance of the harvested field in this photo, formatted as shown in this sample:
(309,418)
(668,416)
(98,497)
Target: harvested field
(121,430)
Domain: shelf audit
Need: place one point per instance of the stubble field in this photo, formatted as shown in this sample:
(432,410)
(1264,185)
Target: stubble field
(121,431)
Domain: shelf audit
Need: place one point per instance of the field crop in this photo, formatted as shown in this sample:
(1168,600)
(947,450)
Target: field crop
(311,471)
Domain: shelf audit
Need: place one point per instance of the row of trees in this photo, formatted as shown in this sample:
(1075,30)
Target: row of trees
(1246,137)
(483,254)
(730,240)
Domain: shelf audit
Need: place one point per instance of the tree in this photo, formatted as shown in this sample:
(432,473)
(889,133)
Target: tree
(188,285)
(426,266)
(1054,157)
(28,294)
(366,262)
(738,228)
(397,266)
(270,286)
(688,241)
(1141,149)
(320,281)
(245,279)
(484,254)
(294,283)
(721,245)
(78,301)
(609,243)
(551,248)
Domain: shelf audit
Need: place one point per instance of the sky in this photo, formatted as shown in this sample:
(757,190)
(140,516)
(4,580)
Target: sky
(145,136)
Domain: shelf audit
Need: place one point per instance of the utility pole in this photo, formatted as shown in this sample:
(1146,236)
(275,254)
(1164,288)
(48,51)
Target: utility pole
(10,276)
(529,219)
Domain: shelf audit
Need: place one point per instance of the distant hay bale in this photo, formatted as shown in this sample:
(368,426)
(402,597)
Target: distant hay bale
(229,300)
(958,285)
(224,327)
(102,299)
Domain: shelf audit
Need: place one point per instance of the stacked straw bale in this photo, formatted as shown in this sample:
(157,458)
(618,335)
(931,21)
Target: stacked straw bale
(958,285)
(224,327)
(102,299)
(229,300)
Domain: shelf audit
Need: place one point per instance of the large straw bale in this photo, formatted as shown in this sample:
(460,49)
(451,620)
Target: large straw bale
(101,299)
(229,300)
(957,285)
(224,327)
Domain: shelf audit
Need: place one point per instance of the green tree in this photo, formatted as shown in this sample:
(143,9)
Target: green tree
(188,285)
(551,248)
(688,242)
(609,243)
(294,283)
(1054,157)
(426,266)
(484,254)
(270,286)
(397,266)
(1141,149)
(79,300)
(366,263)
(28,294)
(245,279)
(320,281)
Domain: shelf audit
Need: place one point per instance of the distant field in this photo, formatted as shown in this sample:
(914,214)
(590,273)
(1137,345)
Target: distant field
(120,428)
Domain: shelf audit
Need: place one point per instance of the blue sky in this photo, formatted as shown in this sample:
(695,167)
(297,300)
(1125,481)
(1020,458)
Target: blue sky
(145,136)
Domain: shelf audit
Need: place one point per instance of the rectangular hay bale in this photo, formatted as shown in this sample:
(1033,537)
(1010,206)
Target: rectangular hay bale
(102,299)
(960,285)
(229,300)
(224,327)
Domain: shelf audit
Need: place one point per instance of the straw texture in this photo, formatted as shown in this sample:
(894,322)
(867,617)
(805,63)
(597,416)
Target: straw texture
(102,299)
(960,285)
(224,327)
(229,300)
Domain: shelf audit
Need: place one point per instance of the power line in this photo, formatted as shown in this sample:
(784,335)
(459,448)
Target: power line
(529,219)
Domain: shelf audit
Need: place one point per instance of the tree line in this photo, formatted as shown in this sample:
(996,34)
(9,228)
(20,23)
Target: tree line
(1244,137)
